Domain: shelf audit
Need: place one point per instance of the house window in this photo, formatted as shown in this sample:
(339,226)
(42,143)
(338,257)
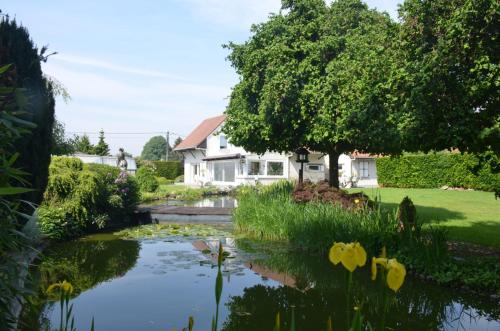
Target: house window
(314,167)
(363,169)
(224,171)
(275,168)
(196,169)
(254,168)
(223,142)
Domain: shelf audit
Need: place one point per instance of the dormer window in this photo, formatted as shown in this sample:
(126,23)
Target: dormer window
(223,142)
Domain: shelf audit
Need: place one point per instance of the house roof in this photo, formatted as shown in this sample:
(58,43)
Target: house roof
(200,133)
(358,155)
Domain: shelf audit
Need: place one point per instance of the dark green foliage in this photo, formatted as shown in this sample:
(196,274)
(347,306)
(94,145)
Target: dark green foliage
(102,147)
(81,198)
(436,170)
(155,149)
(34,148)
(407,215)
(12,184)
(447,85)
(168,169)
(146,179)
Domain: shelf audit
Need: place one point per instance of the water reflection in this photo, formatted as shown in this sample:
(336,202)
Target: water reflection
(218,202)
(155,284)
(317,290)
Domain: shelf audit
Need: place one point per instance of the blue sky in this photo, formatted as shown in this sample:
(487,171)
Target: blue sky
(142,66)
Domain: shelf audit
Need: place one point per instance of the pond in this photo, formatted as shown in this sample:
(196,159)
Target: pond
(216,201)
(157,283)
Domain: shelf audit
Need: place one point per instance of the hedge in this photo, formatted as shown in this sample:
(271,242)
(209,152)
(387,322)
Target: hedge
(168,169)
(436,170)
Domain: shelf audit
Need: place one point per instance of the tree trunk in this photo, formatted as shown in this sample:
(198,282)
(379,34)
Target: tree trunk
(334,168)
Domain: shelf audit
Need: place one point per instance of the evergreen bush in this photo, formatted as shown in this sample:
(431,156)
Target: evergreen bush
(146,179)
(436,170)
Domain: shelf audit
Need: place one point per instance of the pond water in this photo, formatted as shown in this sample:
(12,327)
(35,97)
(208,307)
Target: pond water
(156,284)
(217,201)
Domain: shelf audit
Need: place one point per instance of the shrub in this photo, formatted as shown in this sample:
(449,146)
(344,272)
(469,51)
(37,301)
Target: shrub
(84,197)
(436,170)
(164,181)
(179,179)
(146,179)
(167,169)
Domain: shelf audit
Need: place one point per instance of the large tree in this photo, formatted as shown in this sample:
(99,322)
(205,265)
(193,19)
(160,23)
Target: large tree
(17,48)
(102,147)
(448,85)
(155,149)
(316,76)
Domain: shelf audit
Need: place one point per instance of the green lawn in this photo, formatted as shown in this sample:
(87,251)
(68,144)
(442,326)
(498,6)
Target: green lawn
(470,216)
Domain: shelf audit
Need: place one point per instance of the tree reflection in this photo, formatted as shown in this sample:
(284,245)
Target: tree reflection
(84,263)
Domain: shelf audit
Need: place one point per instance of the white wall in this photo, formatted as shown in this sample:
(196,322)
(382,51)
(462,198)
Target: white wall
(313,176)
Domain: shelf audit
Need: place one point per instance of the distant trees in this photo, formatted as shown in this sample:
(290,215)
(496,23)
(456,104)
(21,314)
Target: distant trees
(102,147)
(60,144)
(155,149)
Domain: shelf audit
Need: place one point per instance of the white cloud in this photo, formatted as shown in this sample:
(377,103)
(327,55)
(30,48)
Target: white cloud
(96,63)
(236,13)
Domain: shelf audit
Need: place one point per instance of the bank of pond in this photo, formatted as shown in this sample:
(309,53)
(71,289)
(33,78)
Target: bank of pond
(145,280)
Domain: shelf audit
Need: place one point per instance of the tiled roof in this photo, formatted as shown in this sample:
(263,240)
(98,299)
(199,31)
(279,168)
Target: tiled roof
(358,155)
(202,131)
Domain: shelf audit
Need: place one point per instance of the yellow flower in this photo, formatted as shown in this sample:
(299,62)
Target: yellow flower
(360,254)
(356,200)
(396,274)
(65,286)
(348,259)
(351,255)
(336,253)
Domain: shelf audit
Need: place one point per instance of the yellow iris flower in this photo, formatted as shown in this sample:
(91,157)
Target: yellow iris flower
(396,272)
(64,286)
(351,255)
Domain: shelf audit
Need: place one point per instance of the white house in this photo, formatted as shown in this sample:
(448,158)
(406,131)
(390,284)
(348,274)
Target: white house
(108,160)
(209,158)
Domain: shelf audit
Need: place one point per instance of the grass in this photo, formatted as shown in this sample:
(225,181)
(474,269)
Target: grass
(270,213)
(469,216)
(180,192)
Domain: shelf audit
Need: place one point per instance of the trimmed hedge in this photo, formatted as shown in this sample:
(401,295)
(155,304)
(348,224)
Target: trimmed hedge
(168,169)
(146,178)
(436,170)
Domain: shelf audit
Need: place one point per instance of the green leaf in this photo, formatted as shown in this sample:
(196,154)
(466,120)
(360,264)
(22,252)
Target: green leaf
(14,190)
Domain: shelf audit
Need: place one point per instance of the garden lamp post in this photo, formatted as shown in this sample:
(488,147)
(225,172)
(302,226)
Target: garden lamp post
(302,157)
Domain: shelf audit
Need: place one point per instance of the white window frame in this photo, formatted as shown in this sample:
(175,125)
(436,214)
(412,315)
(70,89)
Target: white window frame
(224,172)
(223,142)
(364,172)
(275,161)
(319,165)
(250,168)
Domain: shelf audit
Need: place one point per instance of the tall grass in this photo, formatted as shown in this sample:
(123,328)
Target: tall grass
(270,213)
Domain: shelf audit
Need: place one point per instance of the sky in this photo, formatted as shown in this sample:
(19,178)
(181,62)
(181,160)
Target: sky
(136,69)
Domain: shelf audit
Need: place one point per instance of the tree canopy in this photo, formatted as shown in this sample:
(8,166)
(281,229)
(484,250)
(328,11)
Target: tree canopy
(155,149)
(82,144)
(448,86)
(341,77)
(316,76)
